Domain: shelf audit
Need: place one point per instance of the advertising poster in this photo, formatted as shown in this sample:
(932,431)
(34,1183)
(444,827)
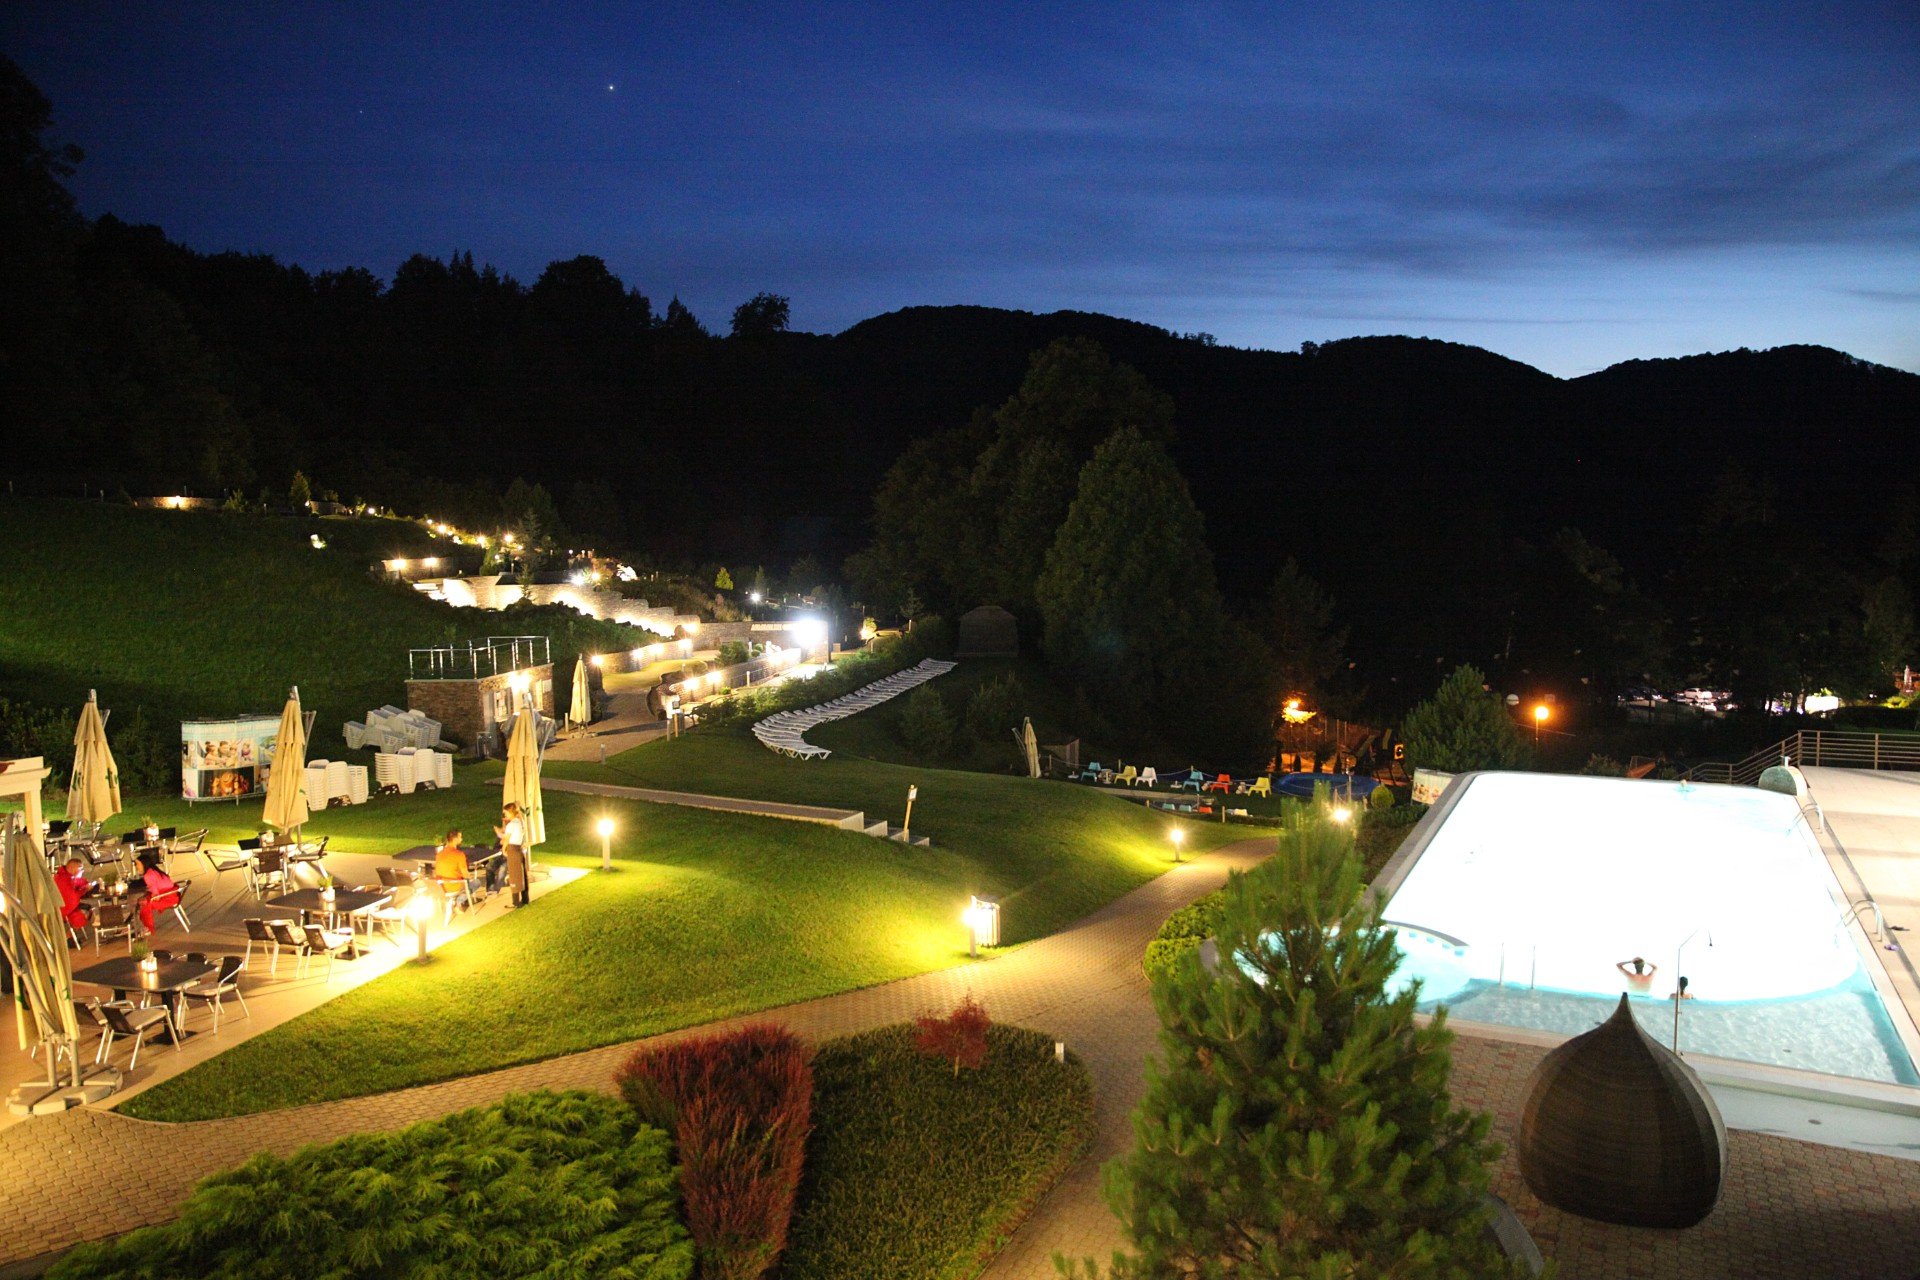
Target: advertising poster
(226,759)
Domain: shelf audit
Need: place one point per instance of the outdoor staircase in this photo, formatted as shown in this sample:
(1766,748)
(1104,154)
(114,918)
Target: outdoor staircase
(1820,748)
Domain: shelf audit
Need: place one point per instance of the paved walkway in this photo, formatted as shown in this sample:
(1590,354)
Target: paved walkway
(695,800)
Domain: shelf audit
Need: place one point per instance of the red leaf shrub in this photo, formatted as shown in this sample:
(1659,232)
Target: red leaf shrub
(960,1037)
(739,1106)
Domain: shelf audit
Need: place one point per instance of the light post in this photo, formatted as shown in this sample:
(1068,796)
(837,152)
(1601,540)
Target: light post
(906,824)
(982,918)
(605,828)
(1179,838)
(419,911)
(1540,714)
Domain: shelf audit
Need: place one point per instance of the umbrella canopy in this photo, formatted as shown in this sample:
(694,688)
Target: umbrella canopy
(36,942)
(93,793)
(580,708)
(287,784)
(1033,750)
(521,786)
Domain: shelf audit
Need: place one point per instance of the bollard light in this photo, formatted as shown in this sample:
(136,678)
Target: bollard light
(982,918)
(1179,837)
(605,828)
(420,910)
(1342,814)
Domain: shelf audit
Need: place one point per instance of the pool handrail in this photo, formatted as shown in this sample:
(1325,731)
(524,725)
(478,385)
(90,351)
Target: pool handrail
(1422,930)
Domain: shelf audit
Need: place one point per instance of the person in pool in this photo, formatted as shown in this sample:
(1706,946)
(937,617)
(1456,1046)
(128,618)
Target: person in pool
(1639,974)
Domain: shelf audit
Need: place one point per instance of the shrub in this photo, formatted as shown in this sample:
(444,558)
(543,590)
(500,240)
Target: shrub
(994,709)
(914,1172)
(1603,766)
(734,652)
(739,1106)
(926,726)
(539,1184)
(1463,727)
(1183,931)
(959,1037)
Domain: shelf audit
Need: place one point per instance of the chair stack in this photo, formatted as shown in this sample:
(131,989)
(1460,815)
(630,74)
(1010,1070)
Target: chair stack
(356,784)
(412,767)
(784,731)
(339,773)
(391,769)
(390,729)
(319,786)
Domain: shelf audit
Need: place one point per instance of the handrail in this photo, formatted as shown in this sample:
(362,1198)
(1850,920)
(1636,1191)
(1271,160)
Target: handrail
(1841,749)
(1435,934)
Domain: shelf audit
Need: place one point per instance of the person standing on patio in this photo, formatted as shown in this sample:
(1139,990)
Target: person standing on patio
(513,845)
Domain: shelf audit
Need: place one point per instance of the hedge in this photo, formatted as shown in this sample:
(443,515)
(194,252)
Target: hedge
(916,1173)
(541,1184)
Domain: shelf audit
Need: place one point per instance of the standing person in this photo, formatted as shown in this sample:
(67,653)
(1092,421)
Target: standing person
(513,846)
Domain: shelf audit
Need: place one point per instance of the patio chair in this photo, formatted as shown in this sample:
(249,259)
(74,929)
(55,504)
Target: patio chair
(1223,784)
(92,1013)
(136,1023)
(178,907)
(226,982)
(1089,774)
(269,871)
(452,892)
(1260,786)
(285,938)
(259,932)
(392,917)
(220,862)
(1149,777)
(1190,781)
(327,942)
(1128,775)
(114,920)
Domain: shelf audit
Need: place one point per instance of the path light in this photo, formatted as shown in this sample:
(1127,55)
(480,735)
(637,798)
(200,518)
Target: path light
(605,828)
(982,918)
(1540,714)
(420,910)
(1179,837)
(599,660)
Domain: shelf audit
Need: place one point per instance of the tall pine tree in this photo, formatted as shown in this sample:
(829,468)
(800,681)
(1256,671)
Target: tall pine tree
(1299,1124)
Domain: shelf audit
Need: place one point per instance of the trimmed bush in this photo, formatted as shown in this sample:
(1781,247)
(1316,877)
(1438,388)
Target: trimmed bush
(1184,930)
(738,1106)
(915,1173)
(542,1184)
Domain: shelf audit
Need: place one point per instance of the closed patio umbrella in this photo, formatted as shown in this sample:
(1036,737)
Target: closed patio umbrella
(1033,750)
(36,945)
(522,784)
(287,784)
(93,793)
(580,707)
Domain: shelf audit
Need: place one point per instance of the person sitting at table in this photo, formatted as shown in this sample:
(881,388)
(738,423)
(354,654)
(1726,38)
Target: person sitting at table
(450,867)
(162,893)
(74,886)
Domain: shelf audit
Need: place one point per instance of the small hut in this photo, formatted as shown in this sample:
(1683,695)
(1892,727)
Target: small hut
(1617,1128)
(987,632)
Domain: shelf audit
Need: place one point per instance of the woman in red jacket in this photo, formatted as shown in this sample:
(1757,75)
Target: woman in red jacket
(162,893)
(74,888)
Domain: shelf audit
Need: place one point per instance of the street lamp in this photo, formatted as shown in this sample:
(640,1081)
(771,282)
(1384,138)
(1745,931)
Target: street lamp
(1179,837)
(1540,714)
(605,828)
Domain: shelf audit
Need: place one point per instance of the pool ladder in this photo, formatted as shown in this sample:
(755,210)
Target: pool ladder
(1880,921)
(1533,964)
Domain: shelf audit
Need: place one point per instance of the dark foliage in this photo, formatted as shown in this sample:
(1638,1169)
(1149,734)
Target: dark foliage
(958,1036)
(739,1106)
(540,1185)
(913,1171)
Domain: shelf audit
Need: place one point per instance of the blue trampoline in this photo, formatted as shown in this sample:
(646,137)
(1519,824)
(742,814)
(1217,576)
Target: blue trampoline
(1340,785)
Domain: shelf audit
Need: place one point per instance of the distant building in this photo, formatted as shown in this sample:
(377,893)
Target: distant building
(988,632)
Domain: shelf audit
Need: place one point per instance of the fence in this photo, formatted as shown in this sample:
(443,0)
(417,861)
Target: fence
(478,659)
(1819,747)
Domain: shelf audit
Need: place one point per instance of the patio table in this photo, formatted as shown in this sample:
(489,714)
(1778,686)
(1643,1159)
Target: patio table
(346,902)
(169,979)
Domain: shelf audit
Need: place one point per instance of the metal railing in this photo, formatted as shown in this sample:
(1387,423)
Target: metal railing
(478,659)
(1838,749)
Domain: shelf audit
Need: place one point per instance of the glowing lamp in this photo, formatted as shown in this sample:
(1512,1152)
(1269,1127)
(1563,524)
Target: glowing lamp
(754,596)
(1342,814)
(982,918)
(419,910)
(1179,837)
(431,562)
(397,565)
(1540,713)
(599,660)
(605,828)
(518,681)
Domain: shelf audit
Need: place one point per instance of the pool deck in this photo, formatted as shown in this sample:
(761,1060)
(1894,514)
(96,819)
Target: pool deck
(1876,817)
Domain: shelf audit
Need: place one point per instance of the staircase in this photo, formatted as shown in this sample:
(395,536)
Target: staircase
(1834,749)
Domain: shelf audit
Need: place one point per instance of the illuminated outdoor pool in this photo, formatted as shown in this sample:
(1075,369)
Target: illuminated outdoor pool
(1534,886)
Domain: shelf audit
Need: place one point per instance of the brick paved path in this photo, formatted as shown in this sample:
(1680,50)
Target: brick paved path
(1791,1210)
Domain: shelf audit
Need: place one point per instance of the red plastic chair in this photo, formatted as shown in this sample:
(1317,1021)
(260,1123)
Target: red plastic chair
(1223,784)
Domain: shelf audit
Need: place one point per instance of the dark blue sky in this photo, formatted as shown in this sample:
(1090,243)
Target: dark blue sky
(1569,184)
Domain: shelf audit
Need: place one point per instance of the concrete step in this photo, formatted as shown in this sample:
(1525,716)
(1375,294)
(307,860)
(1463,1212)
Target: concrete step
(900,836)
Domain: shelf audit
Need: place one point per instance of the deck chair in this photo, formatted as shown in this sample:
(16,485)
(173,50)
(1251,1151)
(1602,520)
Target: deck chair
(1149,777)
(1128,775)
(1223,784)
(1260,786)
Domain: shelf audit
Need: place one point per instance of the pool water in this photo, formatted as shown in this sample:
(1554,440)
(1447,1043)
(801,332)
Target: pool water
(1534,886)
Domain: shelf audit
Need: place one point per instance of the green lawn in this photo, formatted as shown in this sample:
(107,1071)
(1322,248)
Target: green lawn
(192,614)
(1052,851)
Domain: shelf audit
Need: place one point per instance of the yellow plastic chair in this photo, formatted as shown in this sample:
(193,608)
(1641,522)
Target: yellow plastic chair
(1128,775)
(1262,786)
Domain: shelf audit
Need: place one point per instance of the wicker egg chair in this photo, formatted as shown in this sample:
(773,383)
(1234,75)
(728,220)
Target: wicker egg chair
(1617,1128)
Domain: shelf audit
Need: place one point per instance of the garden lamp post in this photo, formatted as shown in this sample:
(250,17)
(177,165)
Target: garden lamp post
(420,910)
(906,823)
(1540,714)
(605,828)
(1179,837)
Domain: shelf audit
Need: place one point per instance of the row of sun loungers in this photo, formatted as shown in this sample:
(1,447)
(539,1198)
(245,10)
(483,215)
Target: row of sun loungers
(388,728)
(783,730)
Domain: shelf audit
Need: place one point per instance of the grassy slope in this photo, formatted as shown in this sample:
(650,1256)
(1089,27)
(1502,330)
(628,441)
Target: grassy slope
(1051,851)
(707,915)
(203,614)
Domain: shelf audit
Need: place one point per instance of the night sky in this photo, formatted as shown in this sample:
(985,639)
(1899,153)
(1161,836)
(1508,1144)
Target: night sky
(1568,184)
